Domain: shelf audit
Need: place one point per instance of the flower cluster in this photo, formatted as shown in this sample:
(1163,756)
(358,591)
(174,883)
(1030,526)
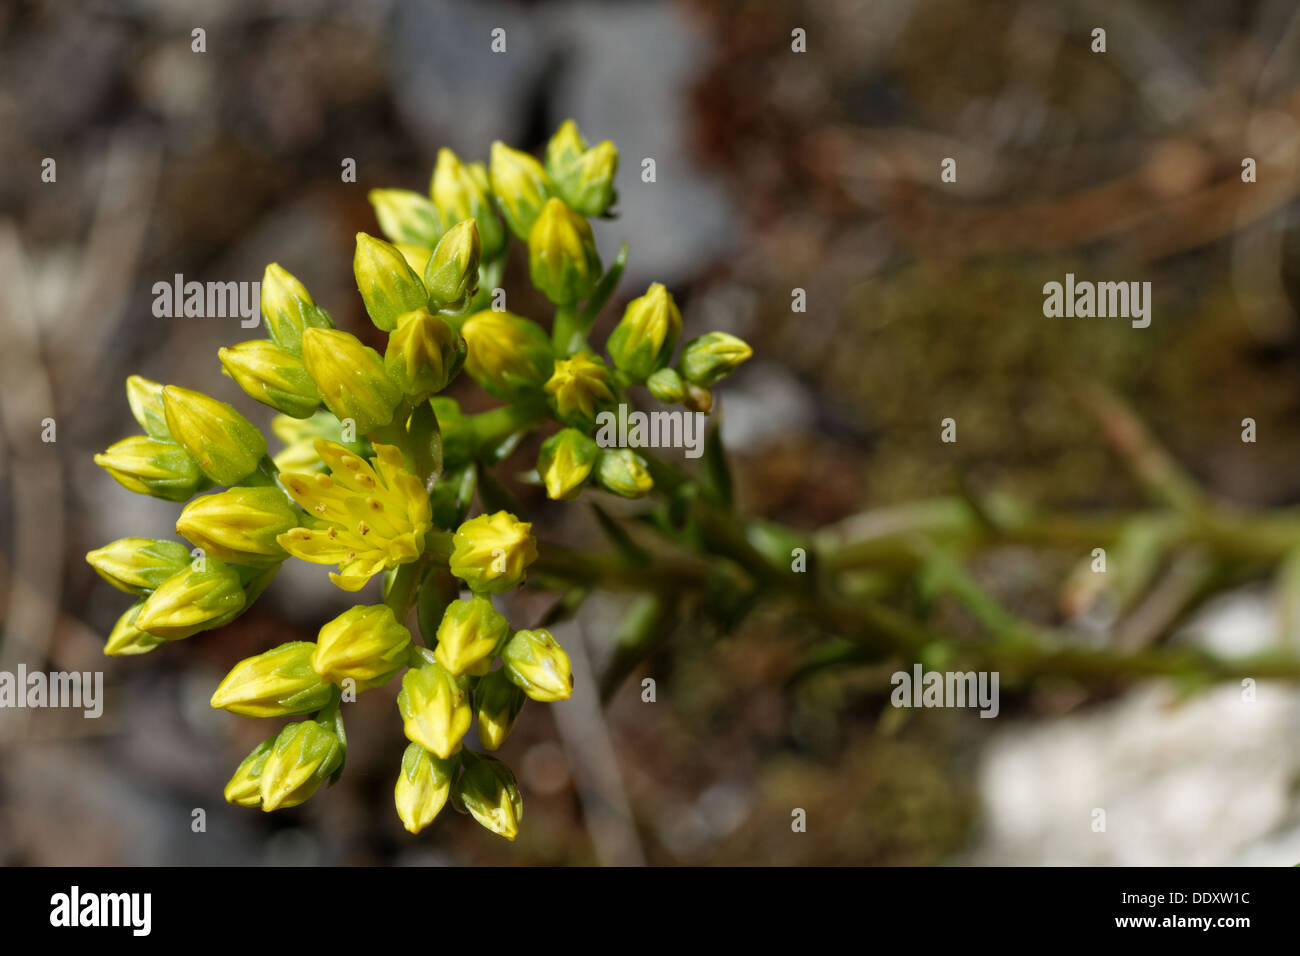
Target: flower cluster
(379,472)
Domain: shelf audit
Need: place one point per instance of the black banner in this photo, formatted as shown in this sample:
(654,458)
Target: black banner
(926,905)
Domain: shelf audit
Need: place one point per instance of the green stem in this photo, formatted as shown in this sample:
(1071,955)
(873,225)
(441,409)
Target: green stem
(1151,464)
(644,629)
(426,444)
(400,595)
(564,329)
(331,715)
(265,476)
(569,333)
(570,328)
(1021,649)
(419,656)
(1027,653)
(327,713)
(946,575)
(394,433)
(437,591)
(886,536)
(494,426)
(604,289)
(438,543)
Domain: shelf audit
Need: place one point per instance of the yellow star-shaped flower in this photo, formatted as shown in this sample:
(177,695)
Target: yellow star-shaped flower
(366,517)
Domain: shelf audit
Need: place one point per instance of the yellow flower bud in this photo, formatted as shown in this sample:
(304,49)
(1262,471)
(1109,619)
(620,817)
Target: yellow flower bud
(498,703)
(562,258)
(461,192)
(289,309)
(435,708)
(240,525)
(145,398)
(643,341)
(623,472)
(388,286)
(667,386)
(303,757)
(451,275)
(422,787)
(351,378)
(565,463)
(226,445)
(537,664)
(272,375)
(469,635)
(711,356)
(364,644)
(491,552)
(478,172)
(521,186)
(583,177)
(138,565)
(592,191)
(424,355)
(244,787)
(406,216)
(508,355)
(564,150)
(276,683)
(127,639)
(487,789)
(149,466)
(191,601)
(579,387)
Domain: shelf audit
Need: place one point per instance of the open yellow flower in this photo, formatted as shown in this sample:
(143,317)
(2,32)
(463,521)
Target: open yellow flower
(367,518)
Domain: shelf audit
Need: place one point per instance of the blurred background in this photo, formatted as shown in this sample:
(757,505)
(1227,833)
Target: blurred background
(776,170)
